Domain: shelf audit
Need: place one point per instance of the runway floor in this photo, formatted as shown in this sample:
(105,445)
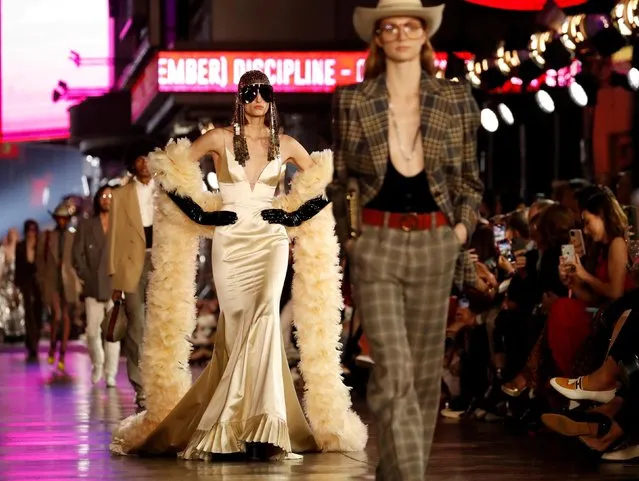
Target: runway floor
(57,429)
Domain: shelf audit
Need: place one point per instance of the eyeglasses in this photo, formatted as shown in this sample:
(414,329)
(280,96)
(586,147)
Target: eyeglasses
(390,31)
(249,93)
(107,196)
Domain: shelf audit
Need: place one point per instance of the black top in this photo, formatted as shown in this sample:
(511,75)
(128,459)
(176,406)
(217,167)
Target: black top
(148,235)
(404,194)
(25,277)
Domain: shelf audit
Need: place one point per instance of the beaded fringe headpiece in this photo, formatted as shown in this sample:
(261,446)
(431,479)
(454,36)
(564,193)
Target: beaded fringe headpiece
(239,120)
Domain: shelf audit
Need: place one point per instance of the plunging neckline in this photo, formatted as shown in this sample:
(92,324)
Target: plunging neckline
(259,177)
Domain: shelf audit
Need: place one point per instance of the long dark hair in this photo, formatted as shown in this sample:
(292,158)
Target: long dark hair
(96,199)
(271,120)
(483,241)
(28,224)
(600,201)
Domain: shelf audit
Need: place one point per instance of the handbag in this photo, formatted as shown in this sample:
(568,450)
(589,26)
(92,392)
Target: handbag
(115,322)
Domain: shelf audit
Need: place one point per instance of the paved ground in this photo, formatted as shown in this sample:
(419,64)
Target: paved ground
(52,429)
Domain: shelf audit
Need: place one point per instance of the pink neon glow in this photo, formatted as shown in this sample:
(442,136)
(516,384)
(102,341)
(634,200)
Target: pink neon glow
(524,4)
(308,72)
(35,47)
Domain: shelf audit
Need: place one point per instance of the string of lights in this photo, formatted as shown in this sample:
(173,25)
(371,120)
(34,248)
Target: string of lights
(553,59)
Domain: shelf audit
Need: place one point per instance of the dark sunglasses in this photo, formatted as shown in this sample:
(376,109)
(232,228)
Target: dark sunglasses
(249,93)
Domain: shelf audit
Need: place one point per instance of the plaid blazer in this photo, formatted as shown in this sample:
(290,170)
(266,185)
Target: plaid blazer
(450,119)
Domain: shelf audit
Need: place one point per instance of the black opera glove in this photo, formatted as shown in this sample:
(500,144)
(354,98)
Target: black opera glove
(194,212)
(294,219)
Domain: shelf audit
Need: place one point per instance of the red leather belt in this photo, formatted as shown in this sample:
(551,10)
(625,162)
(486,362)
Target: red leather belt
(405,222)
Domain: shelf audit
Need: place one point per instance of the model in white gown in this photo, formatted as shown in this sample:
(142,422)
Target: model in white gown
(245,397)
(246,394)
(250,259)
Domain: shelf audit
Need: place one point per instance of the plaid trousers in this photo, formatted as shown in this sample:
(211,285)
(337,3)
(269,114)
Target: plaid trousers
(402,283)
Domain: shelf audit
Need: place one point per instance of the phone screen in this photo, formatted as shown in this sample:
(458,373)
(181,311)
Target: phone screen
(499,231)
(505,249)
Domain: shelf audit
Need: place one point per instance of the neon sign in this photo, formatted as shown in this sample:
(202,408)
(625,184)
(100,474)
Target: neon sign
(308,72)
(144,90)
(528,5)
(288,71)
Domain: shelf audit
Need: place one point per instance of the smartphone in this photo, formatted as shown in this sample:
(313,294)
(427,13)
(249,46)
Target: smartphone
(568,253)
(505,249)
(577,241)
(631,213)
(499,231)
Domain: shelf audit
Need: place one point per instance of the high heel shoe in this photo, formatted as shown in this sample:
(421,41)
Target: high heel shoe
(61,365)
(513,391)
(578,423)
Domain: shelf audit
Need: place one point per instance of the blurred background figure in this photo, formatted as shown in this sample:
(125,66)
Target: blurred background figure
(90,260)
(27,281)
(11,306)
(59,282)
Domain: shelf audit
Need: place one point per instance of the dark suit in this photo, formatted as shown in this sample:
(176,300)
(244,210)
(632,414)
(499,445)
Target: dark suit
(27,281)
(90,260)
(403,278)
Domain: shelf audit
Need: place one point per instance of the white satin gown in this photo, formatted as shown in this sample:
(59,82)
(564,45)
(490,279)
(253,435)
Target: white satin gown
(254,400)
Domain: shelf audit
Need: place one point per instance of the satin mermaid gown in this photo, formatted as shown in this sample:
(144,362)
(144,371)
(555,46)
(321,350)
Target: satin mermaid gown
(246,394)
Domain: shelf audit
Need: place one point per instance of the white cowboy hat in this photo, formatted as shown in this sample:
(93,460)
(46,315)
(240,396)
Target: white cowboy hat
(365,19)
(63,210)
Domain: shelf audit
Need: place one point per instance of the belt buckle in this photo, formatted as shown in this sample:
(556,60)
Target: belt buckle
(408,222)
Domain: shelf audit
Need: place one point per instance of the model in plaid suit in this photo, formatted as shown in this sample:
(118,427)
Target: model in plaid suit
(405,144)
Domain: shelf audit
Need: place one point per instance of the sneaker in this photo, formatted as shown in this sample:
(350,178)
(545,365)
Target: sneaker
(110,382)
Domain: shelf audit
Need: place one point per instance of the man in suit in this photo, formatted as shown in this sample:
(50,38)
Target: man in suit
(58,280)
(130,240)
(405,145)
(90,258)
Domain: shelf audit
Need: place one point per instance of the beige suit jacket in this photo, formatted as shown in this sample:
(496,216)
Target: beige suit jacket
(127,243)
(48,265)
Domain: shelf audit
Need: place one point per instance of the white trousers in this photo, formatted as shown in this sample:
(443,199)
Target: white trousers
(105,356)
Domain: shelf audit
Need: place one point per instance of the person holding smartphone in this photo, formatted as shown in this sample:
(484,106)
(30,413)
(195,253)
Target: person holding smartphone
(606,225)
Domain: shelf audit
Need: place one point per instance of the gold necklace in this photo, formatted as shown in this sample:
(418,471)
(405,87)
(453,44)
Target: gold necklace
(408,157)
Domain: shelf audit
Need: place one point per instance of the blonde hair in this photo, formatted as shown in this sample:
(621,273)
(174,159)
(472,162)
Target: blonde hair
(375,64)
